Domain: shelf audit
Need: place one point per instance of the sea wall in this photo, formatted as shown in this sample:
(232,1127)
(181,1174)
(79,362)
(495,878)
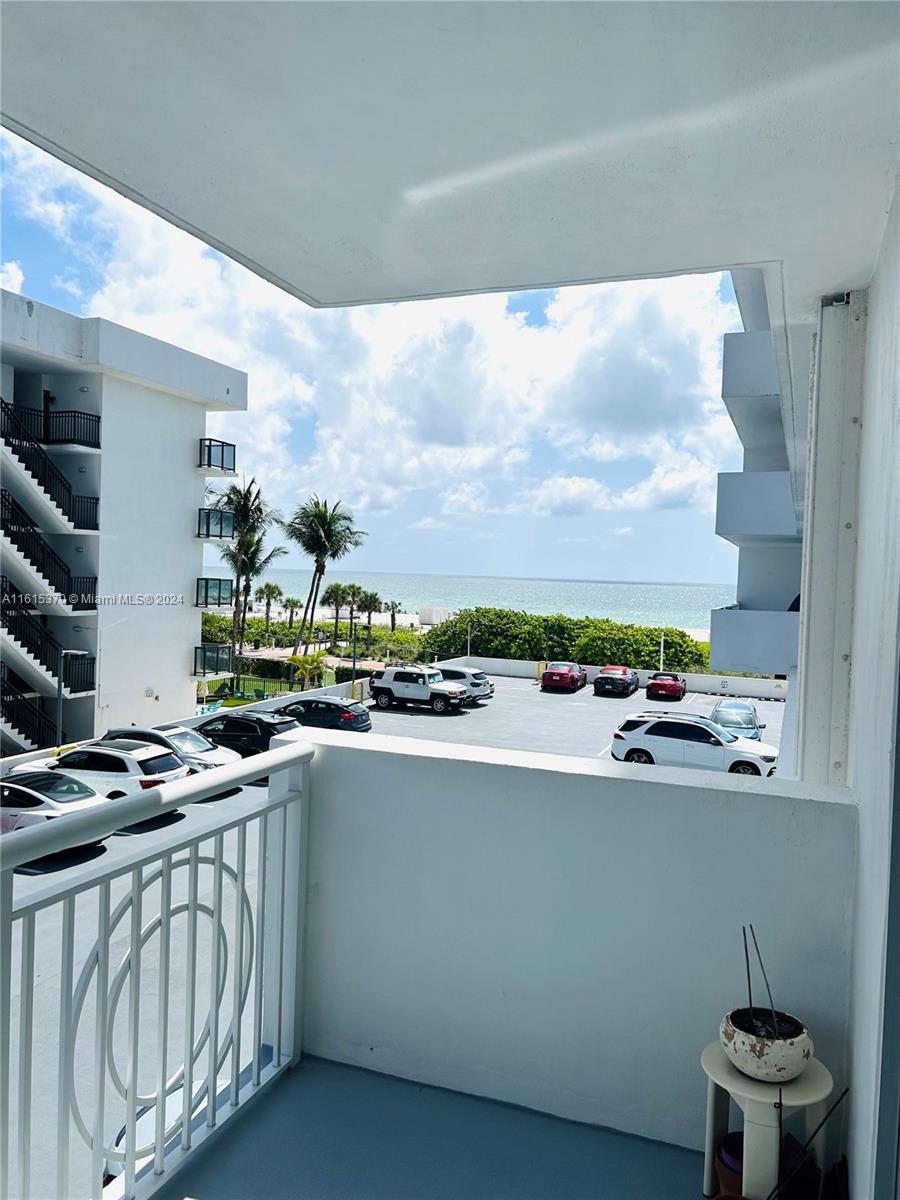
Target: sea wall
(715,685)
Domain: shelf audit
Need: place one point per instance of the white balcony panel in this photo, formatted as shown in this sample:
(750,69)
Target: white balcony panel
(743,639)
(753,507)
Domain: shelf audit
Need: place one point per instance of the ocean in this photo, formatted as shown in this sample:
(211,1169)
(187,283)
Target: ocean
(684,605)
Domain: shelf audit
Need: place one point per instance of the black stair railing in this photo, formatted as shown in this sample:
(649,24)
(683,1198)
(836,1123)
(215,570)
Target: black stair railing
(78,670)
(81,510)
(68,426)
(24,715)
(22,532)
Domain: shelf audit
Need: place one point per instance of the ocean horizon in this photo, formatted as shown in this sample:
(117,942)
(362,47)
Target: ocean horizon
(639,602)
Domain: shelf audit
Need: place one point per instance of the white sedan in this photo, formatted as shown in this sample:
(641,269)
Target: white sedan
(672,740)
(33,797)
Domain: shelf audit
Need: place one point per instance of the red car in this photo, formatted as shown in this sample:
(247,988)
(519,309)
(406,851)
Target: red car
(563,675)
(665,685)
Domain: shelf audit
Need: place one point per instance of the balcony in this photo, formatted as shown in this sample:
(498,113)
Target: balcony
(67,427)
(212,659)
(755,508)
(743,639)
(36,567)
(36,652)
(214,593)
(31,468)
(216,458)
(382,906)
(215,523)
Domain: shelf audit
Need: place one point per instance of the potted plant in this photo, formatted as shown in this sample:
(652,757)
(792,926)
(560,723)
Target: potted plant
(764,1042)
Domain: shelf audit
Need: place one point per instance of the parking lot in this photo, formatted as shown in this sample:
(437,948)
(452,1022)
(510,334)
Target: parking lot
(522,717)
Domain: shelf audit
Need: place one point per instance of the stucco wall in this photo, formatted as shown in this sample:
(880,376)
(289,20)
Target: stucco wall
(556,933)
(874,684)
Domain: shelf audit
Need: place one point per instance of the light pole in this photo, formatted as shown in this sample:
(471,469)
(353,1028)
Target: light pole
(63,655)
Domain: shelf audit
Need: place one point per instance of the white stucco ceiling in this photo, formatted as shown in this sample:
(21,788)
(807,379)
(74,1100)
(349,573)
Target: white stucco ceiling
(355,153)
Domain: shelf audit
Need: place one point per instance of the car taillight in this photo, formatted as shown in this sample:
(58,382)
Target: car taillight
(618,737)
(148,783)
(346,716)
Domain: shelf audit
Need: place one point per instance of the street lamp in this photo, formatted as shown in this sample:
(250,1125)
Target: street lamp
(64,654)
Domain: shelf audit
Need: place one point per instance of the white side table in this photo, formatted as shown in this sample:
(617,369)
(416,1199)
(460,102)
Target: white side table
(757,1101)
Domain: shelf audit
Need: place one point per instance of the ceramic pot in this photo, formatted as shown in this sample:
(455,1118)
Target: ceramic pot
(774,1060)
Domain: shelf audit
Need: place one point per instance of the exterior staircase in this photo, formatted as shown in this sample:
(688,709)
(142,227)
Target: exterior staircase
(77,591)
(38,645)
(22,720)
(79,511)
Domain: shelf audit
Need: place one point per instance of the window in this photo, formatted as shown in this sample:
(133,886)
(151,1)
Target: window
(215,726)
(479,676)
(696,733)
(668,729)
(244,728)
(13,797)
(190,741)
(404,677)
(59,787)
(161,764)
(628,726)
(449,673)
(433,677)
(85,760)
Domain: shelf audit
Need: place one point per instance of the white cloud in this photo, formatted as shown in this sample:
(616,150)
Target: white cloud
(623,531)
(569,496)
(12,276)
(430,523)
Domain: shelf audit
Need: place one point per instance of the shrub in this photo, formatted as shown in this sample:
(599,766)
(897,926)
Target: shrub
(345,674)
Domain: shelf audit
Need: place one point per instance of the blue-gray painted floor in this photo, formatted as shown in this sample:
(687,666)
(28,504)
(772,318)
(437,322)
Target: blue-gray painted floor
(331,1132)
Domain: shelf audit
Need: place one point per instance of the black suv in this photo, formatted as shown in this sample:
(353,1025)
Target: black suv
(247,732)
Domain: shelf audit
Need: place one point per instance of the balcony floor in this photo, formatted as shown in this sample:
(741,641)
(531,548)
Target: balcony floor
(326,1131)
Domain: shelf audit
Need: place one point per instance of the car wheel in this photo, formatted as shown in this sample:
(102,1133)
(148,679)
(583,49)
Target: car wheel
(383,700)
(640,756)
(743,768)
(439,704)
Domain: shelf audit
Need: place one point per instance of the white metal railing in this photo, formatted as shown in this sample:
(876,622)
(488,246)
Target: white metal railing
(200,923)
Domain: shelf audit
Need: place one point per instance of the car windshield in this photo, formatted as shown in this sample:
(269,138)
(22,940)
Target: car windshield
(613,671)
(739,718)
(189,741)
(664,675)
(161,764)
(62,788)
(719,731)
(435,677)
(479,676)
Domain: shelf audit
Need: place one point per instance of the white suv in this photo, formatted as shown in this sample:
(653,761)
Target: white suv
(120,768)
(475,682)
(672,740)
(413,683)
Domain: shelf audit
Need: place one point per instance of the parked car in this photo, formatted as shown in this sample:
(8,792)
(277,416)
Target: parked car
(673,740)
(329,712)
(738,716)
(416,684)
(120,768)
(616,681)
(563,675)
(190,746)
(476,683)
(248,733)
(665,685)
(33,797)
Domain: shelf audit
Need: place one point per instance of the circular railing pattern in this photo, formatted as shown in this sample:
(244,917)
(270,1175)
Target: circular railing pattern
(146,1103)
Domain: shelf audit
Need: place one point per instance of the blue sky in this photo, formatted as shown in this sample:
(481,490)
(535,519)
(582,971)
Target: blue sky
(572,433)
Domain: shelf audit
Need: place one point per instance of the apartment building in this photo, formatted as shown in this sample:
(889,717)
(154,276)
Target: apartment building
(105,513)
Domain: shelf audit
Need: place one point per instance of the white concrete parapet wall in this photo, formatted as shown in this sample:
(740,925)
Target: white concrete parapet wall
(716,685)
(561,933)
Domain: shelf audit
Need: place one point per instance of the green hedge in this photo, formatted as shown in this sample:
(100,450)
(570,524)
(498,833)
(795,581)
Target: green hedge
(504,633)
(345,674)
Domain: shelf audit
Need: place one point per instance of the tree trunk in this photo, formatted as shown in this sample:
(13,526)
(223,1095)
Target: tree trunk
(369,632)
(268,611)
(247,585)
(302,626)
(236,619)
(393,620)
(290,618)
(312,614)
(337,617)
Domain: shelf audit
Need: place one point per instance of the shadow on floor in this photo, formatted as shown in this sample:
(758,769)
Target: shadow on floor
(326,1131)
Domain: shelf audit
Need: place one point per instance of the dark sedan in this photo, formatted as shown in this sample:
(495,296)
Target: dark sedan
(615,681)
(247,732)
(329,712)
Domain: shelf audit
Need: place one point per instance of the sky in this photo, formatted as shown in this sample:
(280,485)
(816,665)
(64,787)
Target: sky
(573,433)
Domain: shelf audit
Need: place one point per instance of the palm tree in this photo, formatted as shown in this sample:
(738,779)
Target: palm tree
(291,604)
(393,607)
(255,563)
(335,596)
(268,592)
(252,517)
(354,601)
(309,668)
(370,603)
(324,533)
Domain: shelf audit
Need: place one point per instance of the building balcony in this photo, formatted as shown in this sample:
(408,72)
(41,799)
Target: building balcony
(35,653)
(215,523)
(216,458)
(214,593)
(38,481)
(755,507)
(35,568)
(61,428)
(381,906)
(744,639)
(212,659)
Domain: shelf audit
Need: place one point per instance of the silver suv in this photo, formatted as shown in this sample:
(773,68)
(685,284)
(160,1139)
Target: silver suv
(414,683)
(475,682)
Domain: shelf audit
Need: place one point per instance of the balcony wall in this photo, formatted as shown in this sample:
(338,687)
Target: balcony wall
(742,639)
(754,507)
(563,934)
